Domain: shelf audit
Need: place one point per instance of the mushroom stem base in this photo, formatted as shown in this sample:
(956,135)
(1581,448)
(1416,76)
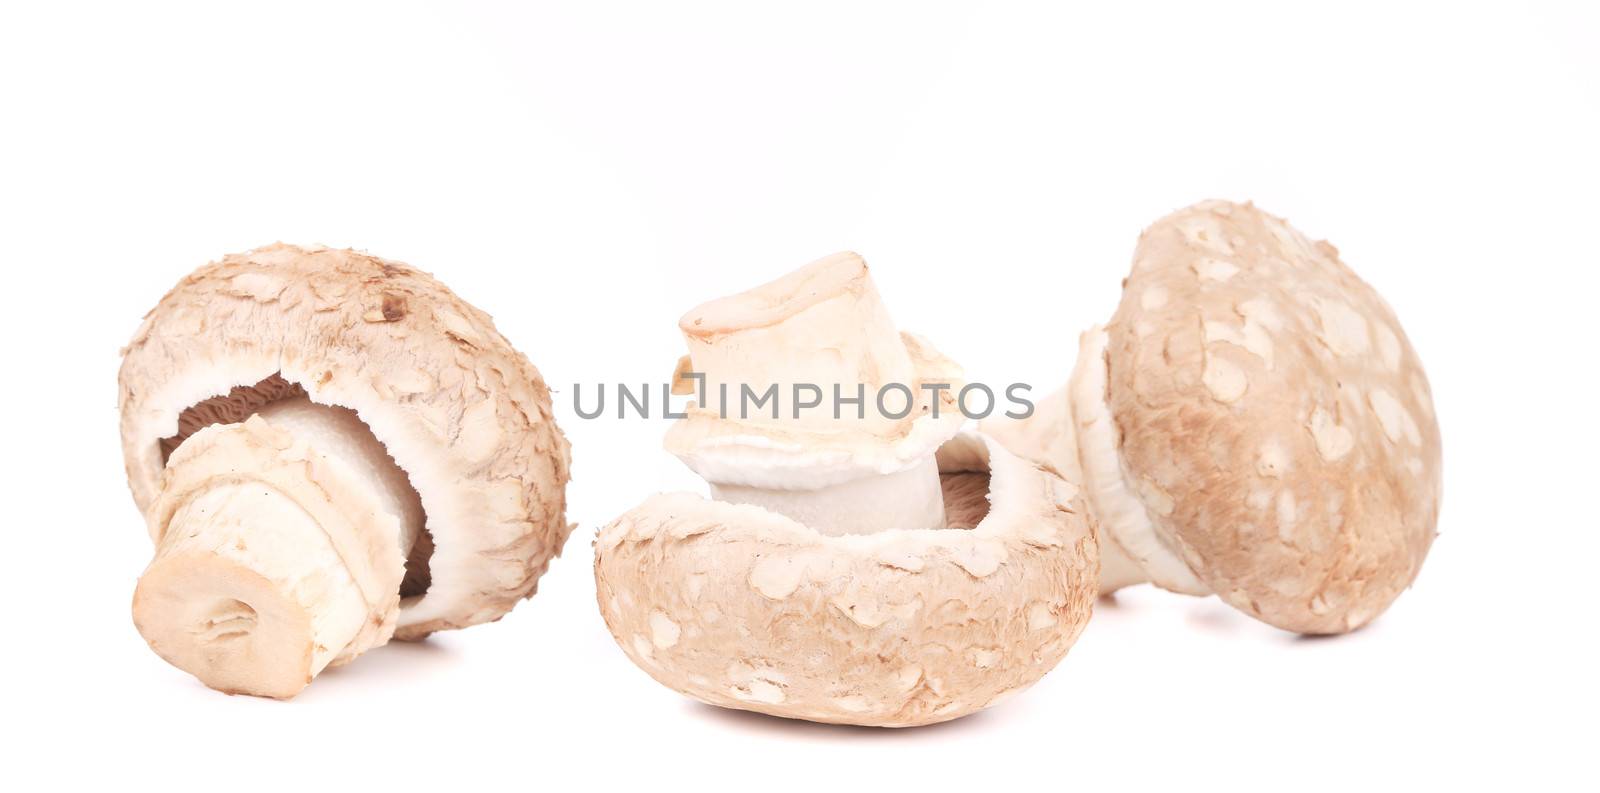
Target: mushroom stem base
(247,593)
(281,549)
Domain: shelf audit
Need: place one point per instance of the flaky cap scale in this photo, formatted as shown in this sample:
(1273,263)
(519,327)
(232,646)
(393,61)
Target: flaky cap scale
(466,416)
(745,608)
(1265,408)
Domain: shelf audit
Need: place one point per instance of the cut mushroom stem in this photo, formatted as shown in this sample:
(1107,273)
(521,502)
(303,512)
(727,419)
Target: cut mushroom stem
(282,525)
(822,331)
(283,549)
(823,325)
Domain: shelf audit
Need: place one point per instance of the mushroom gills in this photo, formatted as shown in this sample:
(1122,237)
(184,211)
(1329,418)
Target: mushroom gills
(248,591)
(230,408)
(966,498)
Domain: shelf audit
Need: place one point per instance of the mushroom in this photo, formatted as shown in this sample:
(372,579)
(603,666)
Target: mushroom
(873,566)
(1252,423)
(330,450)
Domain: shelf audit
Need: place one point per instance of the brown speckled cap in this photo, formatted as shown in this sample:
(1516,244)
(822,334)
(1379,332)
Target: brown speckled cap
(465,415)
(1254,422)
(745,608)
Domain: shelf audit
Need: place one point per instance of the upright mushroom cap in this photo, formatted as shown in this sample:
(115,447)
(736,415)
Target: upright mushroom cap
(1253,422)
(463,414)
(744,608)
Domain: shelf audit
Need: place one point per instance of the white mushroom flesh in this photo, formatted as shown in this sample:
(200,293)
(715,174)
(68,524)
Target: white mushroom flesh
(910,498)
(1049,438)
(822,327)
(342,436)
(249,591)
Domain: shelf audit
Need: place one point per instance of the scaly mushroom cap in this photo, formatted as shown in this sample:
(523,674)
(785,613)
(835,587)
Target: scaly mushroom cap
(744,608)
(1254,422)
(467,417)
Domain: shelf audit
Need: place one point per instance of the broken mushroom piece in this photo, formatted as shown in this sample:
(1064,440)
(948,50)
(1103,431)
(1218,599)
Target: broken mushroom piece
(862,457)
(1253,423)
(330,450)
(862,568)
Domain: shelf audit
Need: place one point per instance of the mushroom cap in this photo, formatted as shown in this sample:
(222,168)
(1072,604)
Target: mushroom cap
(744,608)
(465,415)
(1271,417)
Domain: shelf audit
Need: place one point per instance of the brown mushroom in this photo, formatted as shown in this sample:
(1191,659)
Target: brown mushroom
(861,567)
(330,450)
(1253,423)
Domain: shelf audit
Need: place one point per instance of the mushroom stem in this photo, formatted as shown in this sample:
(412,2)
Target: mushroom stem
(1124,525)
(821,326)
(908,499)
(285,549)
(1049,437)
(822,329)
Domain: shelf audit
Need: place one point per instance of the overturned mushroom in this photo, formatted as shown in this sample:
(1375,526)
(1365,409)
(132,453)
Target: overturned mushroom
(330,450)
(1252,423)
(865,565)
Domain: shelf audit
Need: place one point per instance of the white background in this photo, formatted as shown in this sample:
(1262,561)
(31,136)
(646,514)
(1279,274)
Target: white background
(587,172)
